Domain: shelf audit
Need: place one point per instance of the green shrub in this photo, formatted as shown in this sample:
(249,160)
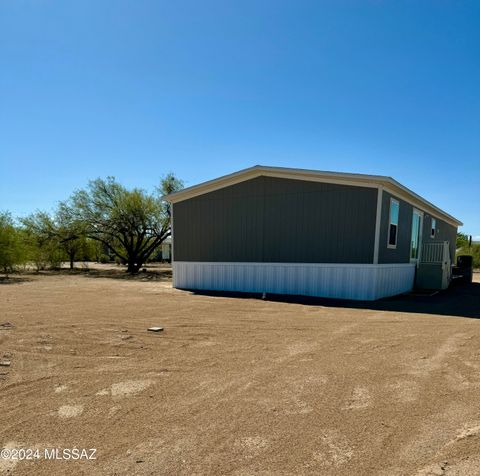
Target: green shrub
(12,252)
(474,251)
(104,259)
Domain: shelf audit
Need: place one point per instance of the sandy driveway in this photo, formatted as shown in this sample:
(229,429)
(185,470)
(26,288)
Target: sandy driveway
(235,386)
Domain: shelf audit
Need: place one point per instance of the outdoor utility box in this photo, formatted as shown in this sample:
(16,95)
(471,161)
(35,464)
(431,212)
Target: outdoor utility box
(464,268)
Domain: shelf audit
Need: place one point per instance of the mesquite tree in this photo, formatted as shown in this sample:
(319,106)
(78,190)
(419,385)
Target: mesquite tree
(131,223)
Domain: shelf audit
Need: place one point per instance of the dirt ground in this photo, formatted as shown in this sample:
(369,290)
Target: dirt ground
(236,385)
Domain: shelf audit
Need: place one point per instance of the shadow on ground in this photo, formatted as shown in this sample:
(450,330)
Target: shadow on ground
(13,279)
(461,300)
(148,275)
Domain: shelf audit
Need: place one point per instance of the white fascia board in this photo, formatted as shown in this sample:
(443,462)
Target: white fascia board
(356,180)
(279,172)
(399,191)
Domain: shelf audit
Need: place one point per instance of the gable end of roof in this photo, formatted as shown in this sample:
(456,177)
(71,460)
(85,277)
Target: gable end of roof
(358,180)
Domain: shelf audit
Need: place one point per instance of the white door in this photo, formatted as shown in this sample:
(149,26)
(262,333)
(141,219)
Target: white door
(446,265)
(416,241)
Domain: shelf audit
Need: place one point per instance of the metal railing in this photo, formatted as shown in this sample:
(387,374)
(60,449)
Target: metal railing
(438,252)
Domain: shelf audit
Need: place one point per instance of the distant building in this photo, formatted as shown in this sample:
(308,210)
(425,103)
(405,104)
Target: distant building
(166,250)
(305,232)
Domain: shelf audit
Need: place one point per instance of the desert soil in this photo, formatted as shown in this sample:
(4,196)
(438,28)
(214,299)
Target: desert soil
(233,385)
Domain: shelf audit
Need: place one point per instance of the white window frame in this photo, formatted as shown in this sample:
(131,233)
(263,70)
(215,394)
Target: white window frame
(393,247)
(433,227)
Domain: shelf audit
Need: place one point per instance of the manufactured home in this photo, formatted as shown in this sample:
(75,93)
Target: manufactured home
(306,232)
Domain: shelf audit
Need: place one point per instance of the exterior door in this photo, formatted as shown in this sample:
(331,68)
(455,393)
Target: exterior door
(416,241)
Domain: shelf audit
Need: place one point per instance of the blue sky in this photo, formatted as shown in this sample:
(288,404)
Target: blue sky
(138,88)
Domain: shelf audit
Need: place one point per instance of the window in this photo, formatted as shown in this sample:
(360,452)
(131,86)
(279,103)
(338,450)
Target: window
(433,228)
(393,224)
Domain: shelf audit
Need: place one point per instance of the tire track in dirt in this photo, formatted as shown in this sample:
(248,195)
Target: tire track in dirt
(434,432)
(337,450)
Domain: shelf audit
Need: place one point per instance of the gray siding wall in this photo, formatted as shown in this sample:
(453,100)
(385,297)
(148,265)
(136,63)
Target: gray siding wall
(269,219)
(401,254)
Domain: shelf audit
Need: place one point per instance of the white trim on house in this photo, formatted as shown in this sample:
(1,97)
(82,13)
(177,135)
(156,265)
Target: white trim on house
(423,205)
(378,221)
(293,265)
(416,260)
(279,172)
(329,280)
(359,180)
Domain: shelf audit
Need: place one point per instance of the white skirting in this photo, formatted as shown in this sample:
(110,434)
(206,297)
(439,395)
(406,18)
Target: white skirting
(342,281)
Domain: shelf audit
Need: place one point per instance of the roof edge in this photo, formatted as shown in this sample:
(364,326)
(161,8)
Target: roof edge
(355,179)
